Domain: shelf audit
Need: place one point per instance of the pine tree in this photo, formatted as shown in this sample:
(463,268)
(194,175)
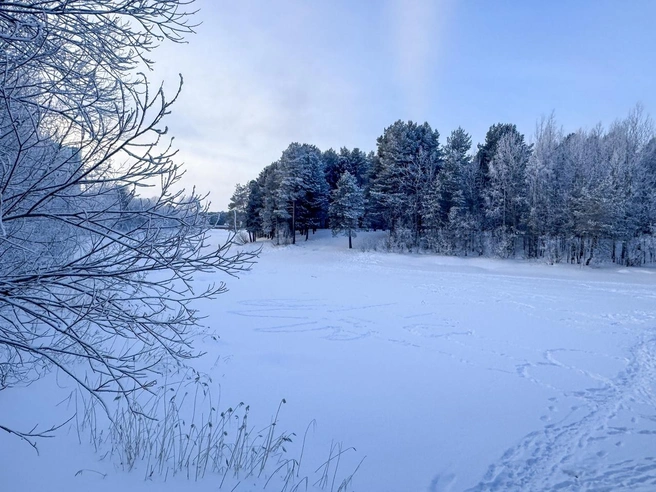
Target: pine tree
(488,149)
(270,179)
(409,160)
(302,194)
(450,180)
(645,194)
(506,198)
(238,204)
(452,193)
(332,167)
(376,216)
(254,207)
(484,156)
(541,183)
(355,162)
(347,207)
(314,212)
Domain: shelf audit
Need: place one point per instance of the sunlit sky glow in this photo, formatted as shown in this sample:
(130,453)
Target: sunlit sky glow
(261,74)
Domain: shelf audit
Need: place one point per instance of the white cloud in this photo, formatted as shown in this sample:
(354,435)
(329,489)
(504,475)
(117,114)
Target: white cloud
(248,93)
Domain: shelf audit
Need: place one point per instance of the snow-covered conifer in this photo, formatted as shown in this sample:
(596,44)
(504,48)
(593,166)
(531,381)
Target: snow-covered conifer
(347,207)
(506,199)
(409,159)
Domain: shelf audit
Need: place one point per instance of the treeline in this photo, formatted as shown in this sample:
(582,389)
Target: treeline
(578,197)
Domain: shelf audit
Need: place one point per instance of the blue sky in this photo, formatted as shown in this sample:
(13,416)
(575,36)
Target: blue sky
(262,74)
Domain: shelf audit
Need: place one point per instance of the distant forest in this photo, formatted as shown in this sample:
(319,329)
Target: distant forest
(581,197)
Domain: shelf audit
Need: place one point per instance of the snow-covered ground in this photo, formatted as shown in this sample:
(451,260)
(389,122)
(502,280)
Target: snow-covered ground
(443,373)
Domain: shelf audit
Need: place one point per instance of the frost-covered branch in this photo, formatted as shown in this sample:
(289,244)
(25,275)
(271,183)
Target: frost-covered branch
(95,278)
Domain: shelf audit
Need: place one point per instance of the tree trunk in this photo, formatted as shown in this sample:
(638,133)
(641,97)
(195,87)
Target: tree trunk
(294,222)
(350,243)
(612,254)
(593,245)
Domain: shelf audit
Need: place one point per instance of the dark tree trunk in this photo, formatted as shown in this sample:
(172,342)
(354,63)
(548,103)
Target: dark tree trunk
(593,245)
(294,222)
(350,243)
(613,257)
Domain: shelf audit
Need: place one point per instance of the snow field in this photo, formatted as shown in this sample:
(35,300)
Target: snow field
(456,374)
(443,373)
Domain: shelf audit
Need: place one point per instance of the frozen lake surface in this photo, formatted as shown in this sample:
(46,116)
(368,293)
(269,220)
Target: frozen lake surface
(448,374)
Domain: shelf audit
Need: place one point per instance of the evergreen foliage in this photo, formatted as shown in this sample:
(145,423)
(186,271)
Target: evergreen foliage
(409,160)
(347,207)
(577,197)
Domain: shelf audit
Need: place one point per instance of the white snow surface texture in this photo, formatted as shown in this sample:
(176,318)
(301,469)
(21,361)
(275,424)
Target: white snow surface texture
(448,374)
